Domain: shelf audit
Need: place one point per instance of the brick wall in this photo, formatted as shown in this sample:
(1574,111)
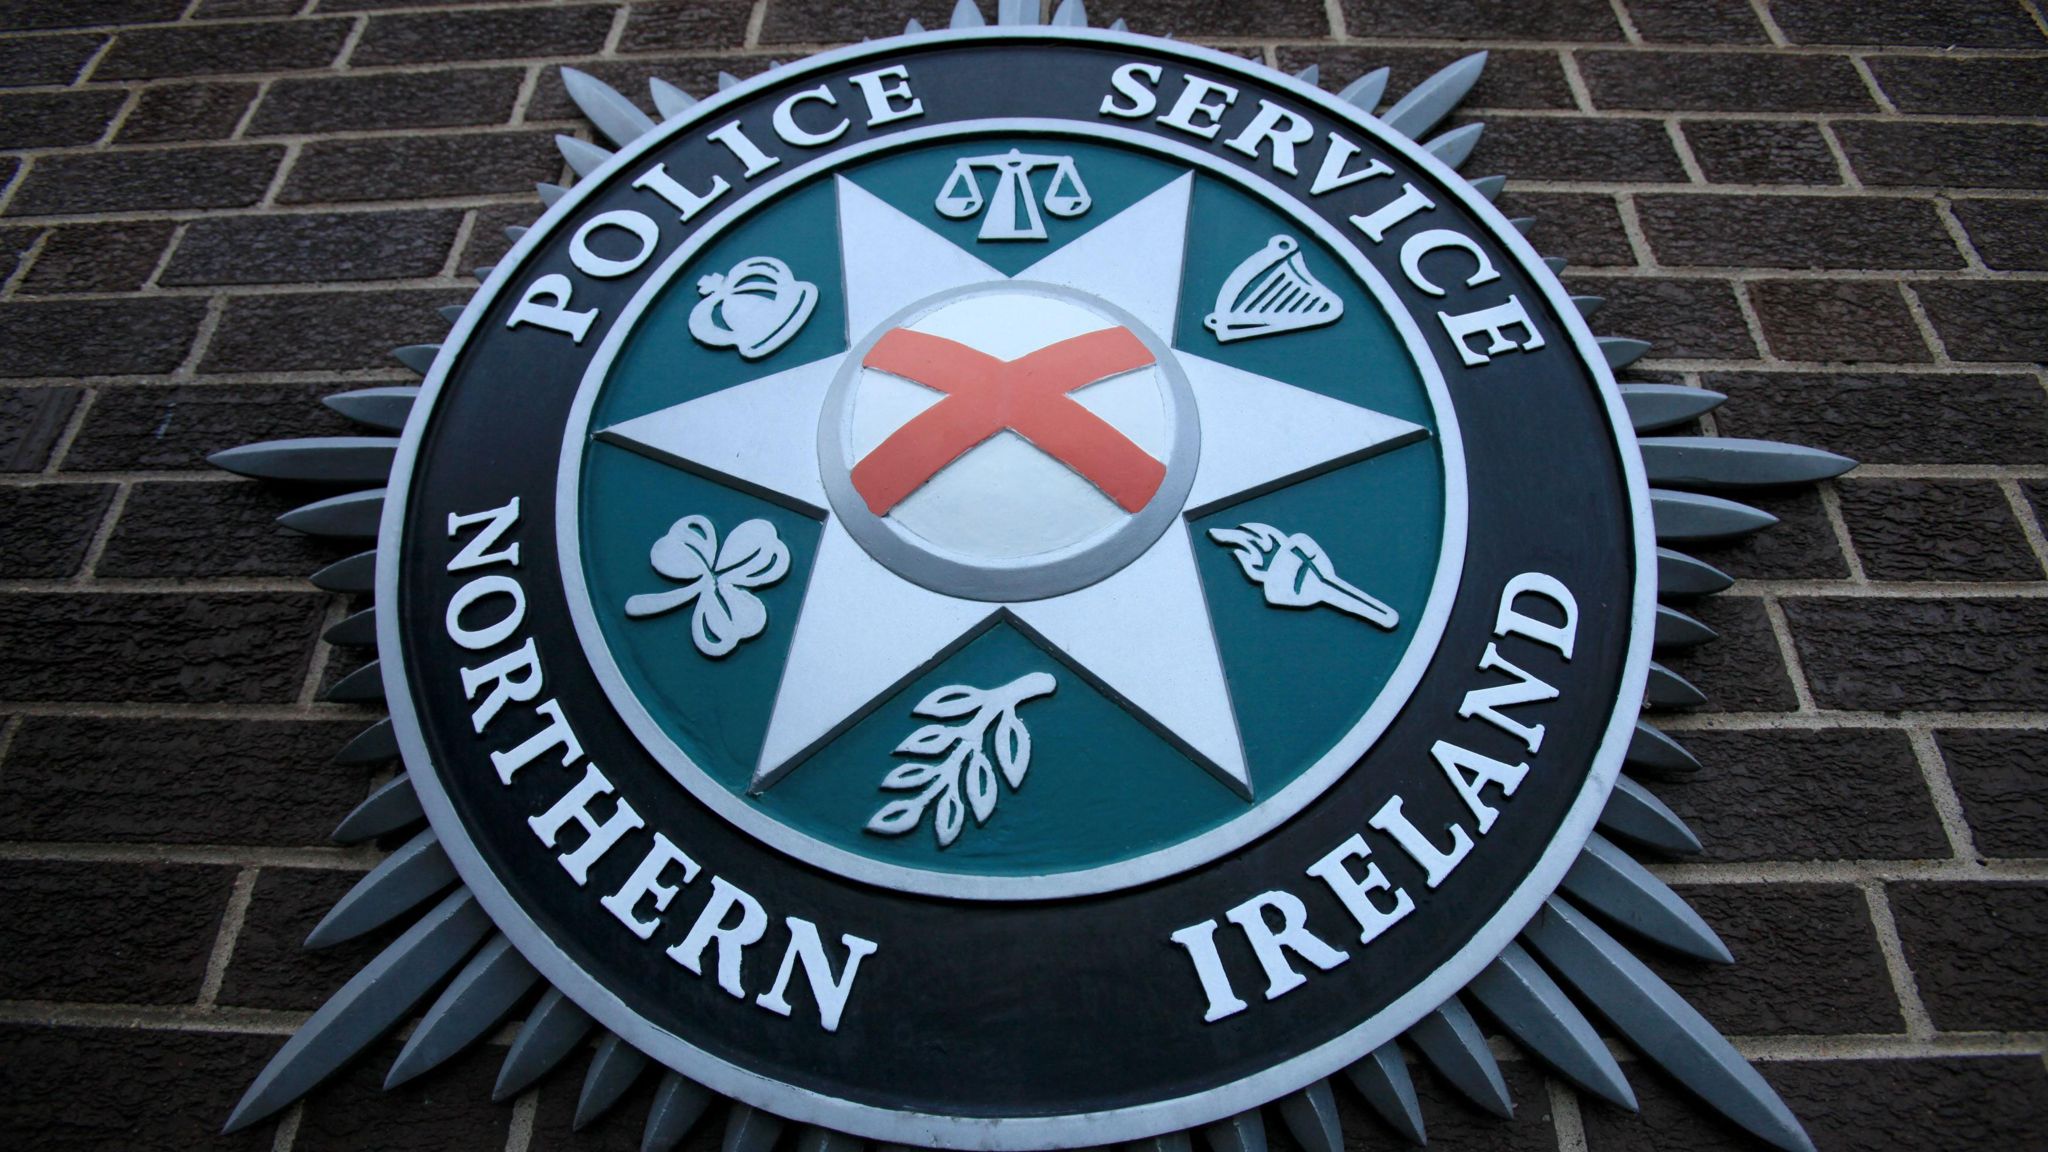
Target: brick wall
(212,213)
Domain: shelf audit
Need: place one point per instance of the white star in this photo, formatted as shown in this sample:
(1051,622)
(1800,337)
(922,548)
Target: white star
(1142,635)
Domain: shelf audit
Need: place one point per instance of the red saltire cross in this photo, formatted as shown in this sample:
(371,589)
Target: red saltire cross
(1028,396)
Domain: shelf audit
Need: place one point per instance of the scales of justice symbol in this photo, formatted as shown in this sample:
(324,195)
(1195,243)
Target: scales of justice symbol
(1028,449)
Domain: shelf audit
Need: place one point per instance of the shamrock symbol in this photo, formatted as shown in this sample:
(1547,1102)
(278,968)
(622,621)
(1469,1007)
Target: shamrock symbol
(716,578)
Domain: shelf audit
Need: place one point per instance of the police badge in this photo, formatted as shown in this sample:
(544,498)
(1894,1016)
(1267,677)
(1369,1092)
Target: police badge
(1027,614)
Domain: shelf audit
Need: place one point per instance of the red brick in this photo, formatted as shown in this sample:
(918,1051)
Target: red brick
(1936,530)
(1761,152)
(2010,235)
(1838,320)
(331,330)
(1684,319)
(1797,231)
(272,967)
(1977,951)
(174,648)
(1987,85)
(1885,418)
(448,1111)
(153,539)
(56,119)
(48,529)
(1514,78)
(96,337)
(98,257)
(499,34)
(1947,155)
(1806,962)
(204,49)
(1934,23)
(1989,320)
(1583,228)
(1558,148)
(154,428)
(1724,82)
(1778,794)
(31,420)
(1558,20)
(44,59)
(174,112)
(422,167)
(314,248)
(1743,670)
(91,1089)
(1800,546)
(1966,654)
(20,15)
(1696,21)
(827,21)
(56,918)
(141,181)
(437,99)
(2001,776)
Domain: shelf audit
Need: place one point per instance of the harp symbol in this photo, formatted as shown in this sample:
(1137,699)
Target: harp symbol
(1271,292)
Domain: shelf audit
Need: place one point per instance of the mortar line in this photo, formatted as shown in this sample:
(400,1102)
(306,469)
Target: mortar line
(1944,209)
(1919,1025)
(181,1018)
(1754,321)
(1565,1120)
(324,859)
(248,117)
(1850,718)
(1777,36)
(27,263)
(163,261)
(1877,93)
(21,175)
(73,424)
(121,710)
(1789,652)
(275,188)
(1851,182)
(1926,326)
(1334,11)
(1632,226)
(519,1134)
(751,38)
(216,305)
(349,42)
(231,919)
(2033,8)
(529,84)
(1850,872)
(2030,524)
(609,49)
(452,266)
(1582,96)
(316,666)
(7,734)
(1948,804)
(288,1127)
(1683,147)
(118,121)
(1831,504)
(92,64)
(102,535)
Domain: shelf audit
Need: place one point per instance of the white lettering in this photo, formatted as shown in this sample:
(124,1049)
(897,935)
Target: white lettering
(598,838)
(829,991)
(645,230)
(1410,202)
(880,97)
(1335,871)
(1511,621)
(794,133)
(732,938)
(1272,944)
(1492,321)
(1279,126)
(479,638)
(1125,81)
(1457,762)
(744,150)
(1435,864)
(557,732)
(1331,175)
(1190,105)
(505,689)
(1200,941)
(645,882)
(688,203)
(1487,702)
(545,304)
(497,522)
(1423,243)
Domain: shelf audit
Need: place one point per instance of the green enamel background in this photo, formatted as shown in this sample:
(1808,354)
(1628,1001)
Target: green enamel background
(1102,787)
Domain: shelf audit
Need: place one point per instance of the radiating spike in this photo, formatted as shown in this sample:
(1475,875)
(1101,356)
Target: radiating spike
(392,806)
(368,1006)
(355,631)
(1181,1141)
(1683,516)
(749,1129)
(313,460)
(1382,1078)
(1311,75)
(550,194)
(1364,93)
(812,1138)
(1681,575)
(1677,630)
(373,745)
(1016,13)
(1634,814)
(1454,146)
(406,879)
(1522,224)
(1490,186)
(609,110)
(1118,25)
(362,685)
(1244,1132)
(1556,264)
(1669,1032)
(384,408)
(967,14)
(358,573)
(473,1003)
(726,80)
(1311,1118)
(418,357)
(1587,305)
(450,312)
(1656,754)
(1667,689)
(1433,99)
(516,233)
(351,514)
(552,1031)
(1727,462)
(612,1072)
(1070,14)
(669,100)
(1609,881)
(1536,1012)
(1453,1044)
(1654,406)
(1621,351)
(678,1103)
(483,273)
(583,156)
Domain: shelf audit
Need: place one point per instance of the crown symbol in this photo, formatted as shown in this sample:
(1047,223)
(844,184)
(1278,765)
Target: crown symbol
(1271,292)
(756,307)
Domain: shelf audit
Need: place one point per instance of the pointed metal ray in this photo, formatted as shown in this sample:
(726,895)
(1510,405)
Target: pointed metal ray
(550,194)
(1244,1132)
(1181,1141)
(1453,1044)
(1433,99)
(368,1006)
(1669,1032)
(483,273)
(1382,1078)
(1620,351)
(409,877)
(1311,75)
(1635,814)
(1490,186)
(392,806)
(418,357)
(1610,881)
(353,514)
(669,100)
(1677,630)
(1118,25)
(552,1030)
(1015,13)
(678,1104)
(749,1129)
(384,408)
(1522,224)
(313,460)
(373,745)
(1654,406)
(612,1072)
(1556,264)
(726,80)
(450,312)
(1681,575)
(1659,755)
(358,630)
(583,156)
(1728,462)
(1683,516)
(1667,689)
(815,1139)
(967,14)
(1587,305)
(1455,146)
(1070,14)
(516,233)
(358,573)
(912,27)
(480,995)
(1537,1013)
(1311,1118)
(365,684)
(1364,93)
(611,112)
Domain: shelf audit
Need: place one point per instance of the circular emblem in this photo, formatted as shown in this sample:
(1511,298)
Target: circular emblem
(1008,615)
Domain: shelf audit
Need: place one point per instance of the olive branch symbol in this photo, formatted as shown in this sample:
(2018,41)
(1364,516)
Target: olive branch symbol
(959,753)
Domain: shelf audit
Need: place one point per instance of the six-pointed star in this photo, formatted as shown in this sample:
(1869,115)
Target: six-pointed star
(1143,633)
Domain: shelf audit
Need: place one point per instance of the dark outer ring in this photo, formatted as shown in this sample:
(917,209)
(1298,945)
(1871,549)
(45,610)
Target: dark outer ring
(985,1026)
